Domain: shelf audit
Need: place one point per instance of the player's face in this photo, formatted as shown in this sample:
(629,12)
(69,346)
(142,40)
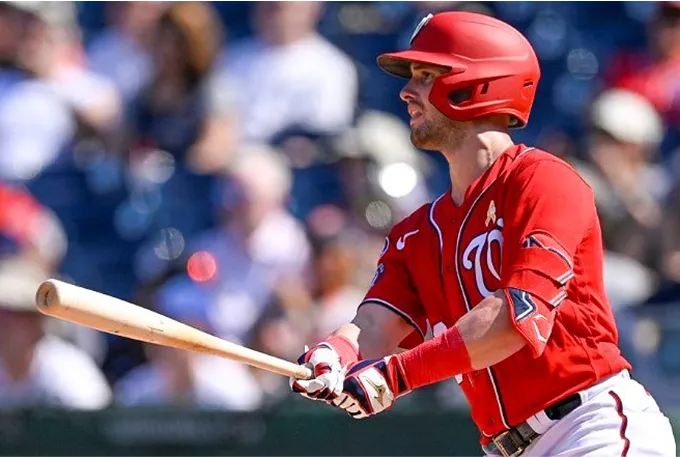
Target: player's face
(430,129)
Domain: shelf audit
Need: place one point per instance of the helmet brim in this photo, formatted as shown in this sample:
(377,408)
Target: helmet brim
(399,63)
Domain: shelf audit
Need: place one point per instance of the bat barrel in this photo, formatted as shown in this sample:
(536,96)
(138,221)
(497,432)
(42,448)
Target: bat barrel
(112,315)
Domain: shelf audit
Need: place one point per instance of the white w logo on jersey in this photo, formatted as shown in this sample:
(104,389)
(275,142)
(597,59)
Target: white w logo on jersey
(479,246)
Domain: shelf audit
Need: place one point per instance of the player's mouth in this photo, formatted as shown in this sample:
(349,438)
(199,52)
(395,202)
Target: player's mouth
(415,112)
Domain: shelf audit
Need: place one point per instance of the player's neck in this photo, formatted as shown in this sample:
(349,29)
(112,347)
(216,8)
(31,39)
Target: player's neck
(473,156)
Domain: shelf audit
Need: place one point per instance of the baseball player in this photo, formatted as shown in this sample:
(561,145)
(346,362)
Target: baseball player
(505,269)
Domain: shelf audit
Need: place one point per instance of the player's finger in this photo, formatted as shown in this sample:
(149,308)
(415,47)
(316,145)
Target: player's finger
(311,385)
(342,401)
(350,405)
(326,394)
(355,389)
(320,394)
(297,388)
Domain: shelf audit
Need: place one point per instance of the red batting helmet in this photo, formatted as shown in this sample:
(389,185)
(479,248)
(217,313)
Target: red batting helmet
(493,68)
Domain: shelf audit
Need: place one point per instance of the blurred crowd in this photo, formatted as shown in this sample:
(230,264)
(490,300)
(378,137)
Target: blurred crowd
(236,166)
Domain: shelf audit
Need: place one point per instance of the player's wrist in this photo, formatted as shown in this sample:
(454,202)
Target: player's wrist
(440,358)
(396,376)
(347,351)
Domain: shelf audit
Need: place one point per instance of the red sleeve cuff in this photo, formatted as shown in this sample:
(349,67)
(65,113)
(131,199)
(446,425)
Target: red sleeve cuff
(440,358)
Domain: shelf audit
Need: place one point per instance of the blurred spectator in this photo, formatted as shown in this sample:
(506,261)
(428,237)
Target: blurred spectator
(36,124)
(623,148)
(654,73)
(179,377)
(59,60)
(336,293)
(175,111)
(51,104)
(371,170)
(379,163)
(671,238)
(630,188)
(288,77)
(36,368)
(257,244)
(29,230)
(121,52)
(175,131)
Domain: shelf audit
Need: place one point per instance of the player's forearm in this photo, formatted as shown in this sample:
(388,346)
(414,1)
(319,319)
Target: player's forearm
(373,333)
(483,337)
(349,331)
(380,330)
(364,337)
(488,334)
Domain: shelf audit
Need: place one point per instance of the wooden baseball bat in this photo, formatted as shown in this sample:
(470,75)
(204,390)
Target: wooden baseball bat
(112,315)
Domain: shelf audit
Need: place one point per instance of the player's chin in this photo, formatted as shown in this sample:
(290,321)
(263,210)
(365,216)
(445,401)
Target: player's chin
(420,139)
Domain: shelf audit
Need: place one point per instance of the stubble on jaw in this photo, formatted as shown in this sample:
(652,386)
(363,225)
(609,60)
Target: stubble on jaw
(438,133)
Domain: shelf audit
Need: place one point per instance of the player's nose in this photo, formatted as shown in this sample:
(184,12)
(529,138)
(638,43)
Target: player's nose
(408,93)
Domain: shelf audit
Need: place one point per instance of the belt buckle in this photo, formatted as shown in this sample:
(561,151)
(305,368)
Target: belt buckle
(498,441)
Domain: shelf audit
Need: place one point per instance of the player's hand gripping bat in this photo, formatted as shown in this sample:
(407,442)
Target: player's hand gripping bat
(112,315)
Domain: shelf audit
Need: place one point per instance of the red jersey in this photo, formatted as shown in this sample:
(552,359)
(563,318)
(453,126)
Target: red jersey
(528,225)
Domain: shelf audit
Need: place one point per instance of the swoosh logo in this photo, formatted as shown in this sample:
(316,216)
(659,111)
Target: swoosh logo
(379,391)
(401,242)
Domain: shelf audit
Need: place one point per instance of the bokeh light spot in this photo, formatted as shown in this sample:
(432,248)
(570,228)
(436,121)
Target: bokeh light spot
(398,179)
(170,244)
(378,214)
(582,64)
(202,266)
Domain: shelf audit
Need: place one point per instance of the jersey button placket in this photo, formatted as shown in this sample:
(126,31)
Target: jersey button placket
(449,266)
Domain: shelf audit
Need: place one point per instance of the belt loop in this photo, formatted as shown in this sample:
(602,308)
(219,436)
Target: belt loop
(540,422)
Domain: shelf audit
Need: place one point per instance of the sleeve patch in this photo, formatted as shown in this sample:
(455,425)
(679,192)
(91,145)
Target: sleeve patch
(522,304)
(378,274)
(385,247)
(532,318)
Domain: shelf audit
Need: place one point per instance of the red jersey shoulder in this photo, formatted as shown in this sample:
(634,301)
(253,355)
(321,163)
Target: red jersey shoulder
(539,161)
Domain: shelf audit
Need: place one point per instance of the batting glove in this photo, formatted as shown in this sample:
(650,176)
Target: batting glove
(329,374)
(371,386)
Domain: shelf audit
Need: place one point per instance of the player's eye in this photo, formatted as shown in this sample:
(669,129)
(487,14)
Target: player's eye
(426,77)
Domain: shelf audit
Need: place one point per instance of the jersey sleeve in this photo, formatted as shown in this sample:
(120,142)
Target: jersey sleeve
(392,287)
(548,211)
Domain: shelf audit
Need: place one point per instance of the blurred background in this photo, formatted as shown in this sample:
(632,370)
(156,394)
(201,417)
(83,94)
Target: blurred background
(237,166)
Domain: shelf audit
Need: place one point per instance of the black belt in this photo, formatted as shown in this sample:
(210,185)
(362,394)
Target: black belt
(513,442)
